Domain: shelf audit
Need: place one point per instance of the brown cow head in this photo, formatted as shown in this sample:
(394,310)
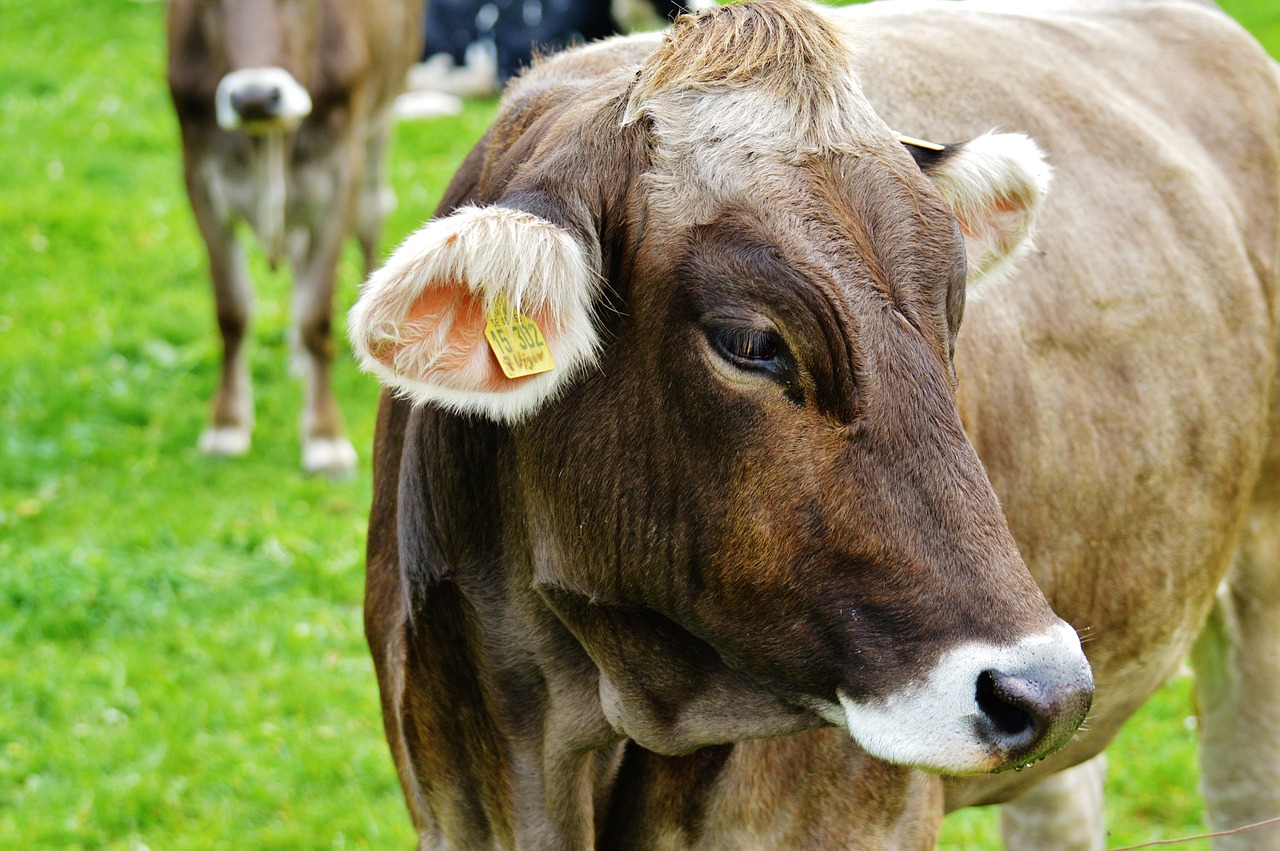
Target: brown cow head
(260,65)
(745,488)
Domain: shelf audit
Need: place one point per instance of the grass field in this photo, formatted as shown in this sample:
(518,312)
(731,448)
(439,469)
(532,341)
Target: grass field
(181,657)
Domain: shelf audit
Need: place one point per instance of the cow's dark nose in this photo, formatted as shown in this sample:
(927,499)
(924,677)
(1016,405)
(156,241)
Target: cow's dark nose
(1026,717)
(257,101)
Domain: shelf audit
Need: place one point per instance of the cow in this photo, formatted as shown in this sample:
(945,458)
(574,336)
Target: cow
(284,110)
(700,522)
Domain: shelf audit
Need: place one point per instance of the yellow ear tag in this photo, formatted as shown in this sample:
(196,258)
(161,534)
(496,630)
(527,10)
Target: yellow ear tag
(517,342)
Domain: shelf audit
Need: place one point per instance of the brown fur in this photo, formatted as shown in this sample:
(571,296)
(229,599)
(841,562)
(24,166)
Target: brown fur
(671,550)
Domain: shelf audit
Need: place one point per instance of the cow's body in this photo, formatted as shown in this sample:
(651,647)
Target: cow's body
(285,111)
(1119,386)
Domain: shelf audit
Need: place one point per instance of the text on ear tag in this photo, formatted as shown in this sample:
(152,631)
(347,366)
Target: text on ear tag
(517,342)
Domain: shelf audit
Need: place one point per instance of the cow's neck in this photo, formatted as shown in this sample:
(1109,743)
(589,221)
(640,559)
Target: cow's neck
(508,740)
(506,737)
(508,752)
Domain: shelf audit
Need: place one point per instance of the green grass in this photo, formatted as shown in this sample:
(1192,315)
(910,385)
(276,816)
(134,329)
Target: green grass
(181,657)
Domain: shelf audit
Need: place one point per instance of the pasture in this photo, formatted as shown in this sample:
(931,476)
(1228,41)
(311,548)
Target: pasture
(182,663)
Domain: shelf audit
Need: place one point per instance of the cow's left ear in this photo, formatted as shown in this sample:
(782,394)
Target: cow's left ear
(995,185)
(420,322)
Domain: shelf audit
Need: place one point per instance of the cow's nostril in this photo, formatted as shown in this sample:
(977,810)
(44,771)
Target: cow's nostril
(257,102)
(1028,715)
(1008,704)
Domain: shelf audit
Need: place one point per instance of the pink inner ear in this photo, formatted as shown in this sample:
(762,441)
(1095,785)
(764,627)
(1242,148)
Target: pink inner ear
(998,216)
(451,318)
(444,343)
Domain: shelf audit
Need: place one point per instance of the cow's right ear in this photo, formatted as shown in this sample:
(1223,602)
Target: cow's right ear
(419,323)
(995,184)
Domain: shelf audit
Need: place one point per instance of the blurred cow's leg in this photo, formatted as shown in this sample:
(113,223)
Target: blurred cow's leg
(1237,661)
(325,447)
(377,198)
(231,421)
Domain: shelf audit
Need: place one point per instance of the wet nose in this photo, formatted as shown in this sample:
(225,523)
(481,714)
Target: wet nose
(257,101)
(1026,717)
(260,100)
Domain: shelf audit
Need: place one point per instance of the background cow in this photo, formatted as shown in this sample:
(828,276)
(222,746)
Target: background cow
(284,107)
(617,604)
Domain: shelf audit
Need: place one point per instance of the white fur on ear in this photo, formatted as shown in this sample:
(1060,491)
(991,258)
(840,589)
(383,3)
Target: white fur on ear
(995,184)
(418,323)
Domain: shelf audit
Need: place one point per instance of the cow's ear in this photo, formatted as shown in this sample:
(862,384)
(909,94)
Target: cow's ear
(420,321)
(995,185)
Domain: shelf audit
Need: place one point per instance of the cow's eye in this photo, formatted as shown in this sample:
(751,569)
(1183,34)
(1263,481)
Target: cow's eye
(750,348)
(758,351)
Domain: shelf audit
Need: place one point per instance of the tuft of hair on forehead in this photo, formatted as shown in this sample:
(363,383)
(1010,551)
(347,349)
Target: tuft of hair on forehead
(785,47)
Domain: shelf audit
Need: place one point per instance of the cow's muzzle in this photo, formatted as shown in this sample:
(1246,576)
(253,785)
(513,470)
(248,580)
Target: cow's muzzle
(261,100)
(982,708)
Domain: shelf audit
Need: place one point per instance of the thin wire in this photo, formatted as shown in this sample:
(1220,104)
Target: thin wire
(1232,832)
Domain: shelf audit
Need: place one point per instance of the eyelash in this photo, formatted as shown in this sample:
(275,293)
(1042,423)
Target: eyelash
(747,348)
(757,351)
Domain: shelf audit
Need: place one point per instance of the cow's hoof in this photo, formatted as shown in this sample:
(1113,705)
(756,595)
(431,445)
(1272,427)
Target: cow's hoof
(227,441)
(334,456)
